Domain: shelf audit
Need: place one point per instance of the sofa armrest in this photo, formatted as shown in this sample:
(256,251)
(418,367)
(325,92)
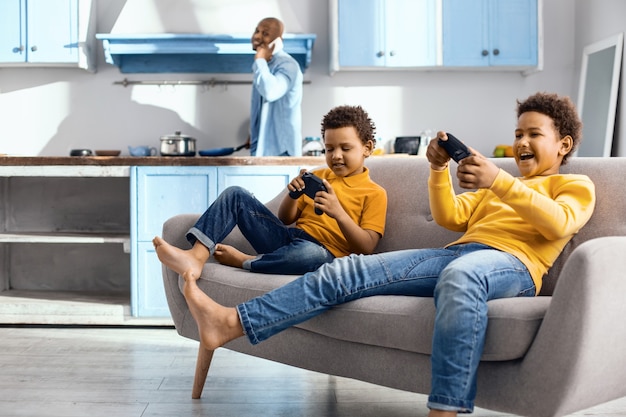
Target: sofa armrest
(577,359)
(174,230)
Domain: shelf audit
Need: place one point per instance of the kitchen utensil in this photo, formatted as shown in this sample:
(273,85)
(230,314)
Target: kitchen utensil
(312,146)
(407,144)
(178,145)
(80,152)
(108,152)
(220,151)
(142,150)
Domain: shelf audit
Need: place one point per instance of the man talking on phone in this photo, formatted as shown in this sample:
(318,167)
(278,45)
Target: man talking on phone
(275,110)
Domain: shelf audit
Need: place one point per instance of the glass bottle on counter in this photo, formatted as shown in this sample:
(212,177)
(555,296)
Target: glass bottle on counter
(312,146)
(425,137)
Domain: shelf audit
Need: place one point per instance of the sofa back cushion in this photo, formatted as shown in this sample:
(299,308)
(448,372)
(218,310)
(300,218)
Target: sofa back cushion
(410,223)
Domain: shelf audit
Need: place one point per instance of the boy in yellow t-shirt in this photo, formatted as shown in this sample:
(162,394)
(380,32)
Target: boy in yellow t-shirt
(352,220)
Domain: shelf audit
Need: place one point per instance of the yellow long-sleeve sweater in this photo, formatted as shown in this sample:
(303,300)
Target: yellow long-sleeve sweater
(531,218)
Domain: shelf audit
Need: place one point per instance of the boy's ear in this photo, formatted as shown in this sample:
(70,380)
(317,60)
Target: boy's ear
(369,147)
(567,143)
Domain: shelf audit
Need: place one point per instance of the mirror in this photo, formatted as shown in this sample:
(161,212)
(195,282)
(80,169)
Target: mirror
(597,95)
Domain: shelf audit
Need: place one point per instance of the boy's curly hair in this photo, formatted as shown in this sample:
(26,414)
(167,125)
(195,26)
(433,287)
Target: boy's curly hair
(345,116)
(561,110)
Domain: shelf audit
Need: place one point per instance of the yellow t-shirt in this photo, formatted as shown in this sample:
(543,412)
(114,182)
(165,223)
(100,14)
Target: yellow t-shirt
(363,200)
(530,218)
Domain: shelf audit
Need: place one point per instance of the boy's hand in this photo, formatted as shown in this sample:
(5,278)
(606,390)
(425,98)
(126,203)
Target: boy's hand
(328,202)
(476,171)
(297,184)
(436,155)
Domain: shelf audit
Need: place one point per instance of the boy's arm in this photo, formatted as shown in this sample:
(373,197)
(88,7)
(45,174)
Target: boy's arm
(361,241)
(560,214)
(288,211)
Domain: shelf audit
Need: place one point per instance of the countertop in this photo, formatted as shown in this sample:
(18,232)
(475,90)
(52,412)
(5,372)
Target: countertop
(160,160)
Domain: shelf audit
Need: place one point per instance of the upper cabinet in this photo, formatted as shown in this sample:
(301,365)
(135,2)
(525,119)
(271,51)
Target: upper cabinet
(385,33)
(47,33)
(478,33)
(435,34)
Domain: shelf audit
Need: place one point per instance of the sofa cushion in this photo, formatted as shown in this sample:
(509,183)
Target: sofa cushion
(513,322)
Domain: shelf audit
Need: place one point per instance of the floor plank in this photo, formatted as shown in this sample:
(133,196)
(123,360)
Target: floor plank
(148,372)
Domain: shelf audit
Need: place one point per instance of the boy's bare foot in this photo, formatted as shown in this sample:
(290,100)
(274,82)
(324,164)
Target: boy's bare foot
(217,324)
(231,256)
(187,263)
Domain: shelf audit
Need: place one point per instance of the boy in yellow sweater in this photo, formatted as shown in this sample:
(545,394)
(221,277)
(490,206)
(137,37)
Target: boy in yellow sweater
(352,217)
(515,227)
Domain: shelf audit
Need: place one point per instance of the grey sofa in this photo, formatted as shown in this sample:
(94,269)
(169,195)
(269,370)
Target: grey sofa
(550,355)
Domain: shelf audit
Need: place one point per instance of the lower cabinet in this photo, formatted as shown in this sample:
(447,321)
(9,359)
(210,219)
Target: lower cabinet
(159,193)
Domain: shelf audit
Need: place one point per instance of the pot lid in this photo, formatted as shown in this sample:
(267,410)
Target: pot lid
(177,135)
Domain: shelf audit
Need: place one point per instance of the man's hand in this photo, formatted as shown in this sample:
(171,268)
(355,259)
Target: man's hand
(264,51)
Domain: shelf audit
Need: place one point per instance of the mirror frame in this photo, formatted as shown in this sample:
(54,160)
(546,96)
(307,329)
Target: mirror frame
(595,92)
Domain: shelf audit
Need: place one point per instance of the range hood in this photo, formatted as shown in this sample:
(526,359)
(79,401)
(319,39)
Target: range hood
(193,53)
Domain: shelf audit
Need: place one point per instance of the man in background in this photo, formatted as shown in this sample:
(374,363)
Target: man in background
(275,111)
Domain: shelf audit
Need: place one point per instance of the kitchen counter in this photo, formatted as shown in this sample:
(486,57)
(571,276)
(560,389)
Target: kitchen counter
(159,160)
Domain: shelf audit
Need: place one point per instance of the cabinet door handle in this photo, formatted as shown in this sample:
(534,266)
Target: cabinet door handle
(18,49)
(392,53)
(33,48)
(496,52)
(485,52)
(380,54)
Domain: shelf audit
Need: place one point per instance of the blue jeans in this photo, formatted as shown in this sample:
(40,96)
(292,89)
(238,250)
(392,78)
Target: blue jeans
(461,278)
(282,249)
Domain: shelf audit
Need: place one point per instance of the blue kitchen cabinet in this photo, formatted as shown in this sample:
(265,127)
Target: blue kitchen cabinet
(385,33)
(264,182)
(158,193)
(479,33)
(47,33)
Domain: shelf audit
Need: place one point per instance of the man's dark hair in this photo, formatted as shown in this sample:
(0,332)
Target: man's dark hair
(561,110)
(355,116)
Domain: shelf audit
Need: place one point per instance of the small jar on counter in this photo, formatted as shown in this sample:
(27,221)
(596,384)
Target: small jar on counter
(312,146)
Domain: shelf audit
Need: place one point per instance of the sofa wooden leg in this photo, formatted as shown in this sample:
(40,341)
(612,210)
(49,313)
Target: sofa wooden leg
(202,368)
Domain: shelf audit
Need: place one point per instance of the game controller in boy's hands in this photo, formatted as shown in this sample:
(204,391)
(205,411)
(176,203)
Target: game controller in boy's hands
(455,148)
(312,184)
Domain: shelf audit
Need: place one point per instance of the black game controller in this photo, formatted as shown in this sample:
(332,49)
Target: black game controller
(312,184)
(455,148)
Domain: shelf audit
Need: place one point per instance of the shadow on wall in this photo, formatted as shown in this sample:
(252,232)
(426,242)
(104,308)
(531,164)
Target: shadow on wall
(119,130)
(116,122)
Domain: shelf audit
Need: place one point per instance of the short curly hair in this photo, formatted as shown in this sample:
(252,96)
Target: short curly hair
(355,116)
(561,110)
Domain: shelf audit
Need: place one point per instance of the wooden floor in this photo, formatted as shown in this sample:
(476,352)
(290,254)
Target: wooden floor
(148,372)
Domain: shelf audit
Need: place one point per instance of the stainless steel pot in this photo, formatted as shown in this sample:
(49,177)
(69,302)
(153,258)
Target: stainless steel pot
(178,145)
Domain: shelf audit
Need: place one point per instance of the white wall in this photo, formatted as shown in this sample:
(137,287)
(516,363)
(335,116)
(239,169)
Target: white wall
(53,110)
(597,20)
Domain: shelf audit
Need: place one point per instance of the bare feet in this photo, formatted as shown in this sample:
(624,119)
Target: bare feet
(231,256)
(217,324)
(187,263)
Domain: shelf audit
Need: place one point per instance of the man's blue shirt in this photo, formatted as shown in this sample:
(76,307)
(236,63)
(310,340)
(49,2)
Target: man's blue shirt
(275,112)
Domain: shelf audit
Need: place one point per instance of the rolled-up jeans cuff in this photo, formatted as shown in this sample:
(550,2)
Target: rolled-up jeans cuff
(195,234)
(434,403)
(245,324)
(247,264)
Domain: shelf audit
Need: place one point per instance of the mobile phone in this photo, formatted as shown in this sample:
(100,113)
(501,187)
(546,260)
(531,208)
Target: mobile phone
(277,44)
